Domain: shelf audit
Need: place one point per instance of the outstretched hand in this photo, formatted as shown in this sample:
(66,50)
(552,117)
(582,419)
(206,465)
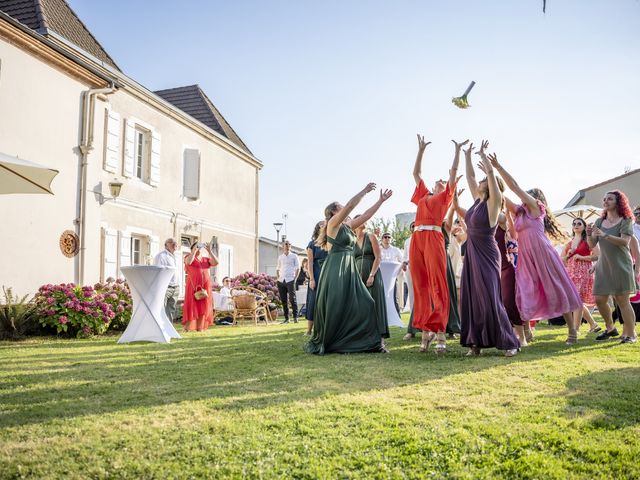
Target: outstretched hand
(459,192)
(483,147)
(385,195)
(468,151)
(421,143)
(459,145)
(493,158)
(369,188)
(485,165)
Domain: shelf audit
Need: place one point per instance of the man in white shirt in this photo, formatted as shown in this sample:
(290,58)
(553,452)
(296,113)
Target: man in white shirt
(287,272)
(389,253)
(166,258)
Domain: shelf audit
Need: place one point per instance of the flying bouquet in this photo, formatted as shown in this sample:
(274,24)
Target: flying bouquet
(462,102)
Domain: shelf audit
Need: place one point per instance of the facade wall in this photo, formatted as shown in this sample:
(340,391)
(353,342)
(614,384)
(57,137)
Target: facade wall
(630,185)
(40,120)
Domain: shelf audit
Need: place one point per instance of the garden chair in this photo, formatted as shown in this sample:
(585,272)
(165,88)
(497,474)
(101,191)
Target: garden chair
(250,303)
(223,307)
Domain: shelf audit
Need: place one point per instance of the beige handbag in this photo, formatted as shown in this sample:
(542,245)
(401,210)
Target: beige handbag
(200,293)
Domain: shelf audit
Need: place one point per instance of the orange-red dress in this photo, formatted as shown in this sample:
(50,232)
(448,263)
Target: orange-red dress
(428,260)
(198,276)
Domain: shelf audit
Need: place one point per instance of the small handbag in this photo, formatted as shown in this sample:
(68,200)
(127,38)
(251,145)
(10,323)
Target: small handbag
(200,293)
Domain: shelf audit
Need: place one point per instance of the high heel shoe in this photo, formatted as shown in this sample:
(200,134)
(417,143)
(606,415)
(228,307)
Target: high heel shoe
(473,352)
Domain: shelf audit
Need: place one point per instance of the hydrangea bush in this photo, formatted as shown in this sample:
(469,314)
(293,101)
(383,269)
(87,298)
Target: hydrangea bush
(83,311)
(261,281)
(117,294)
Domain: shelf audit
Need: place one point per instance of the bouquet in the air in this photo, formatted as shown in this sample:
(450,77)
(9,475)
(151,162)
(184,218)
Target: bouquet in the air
(462,102)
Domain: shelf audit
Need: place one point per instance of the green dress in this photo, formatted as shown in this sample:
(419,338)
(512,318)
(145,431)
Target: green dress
(453,325)
(364,261)
(344,318)
(614,270)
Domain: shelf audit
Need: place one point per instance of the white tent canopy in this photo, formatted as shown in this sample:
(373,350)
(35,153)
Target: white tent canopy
(22,176)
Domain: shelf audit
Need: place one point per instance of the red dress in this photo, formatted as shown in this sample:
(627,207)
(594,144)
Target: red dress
(579,272)
(428,261)
(198,276)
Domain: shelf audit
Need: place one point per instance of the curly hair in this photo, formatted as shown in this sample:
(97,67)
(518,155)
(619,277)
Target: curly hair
(622,204)
(316,230)
(329,211)
(551,225)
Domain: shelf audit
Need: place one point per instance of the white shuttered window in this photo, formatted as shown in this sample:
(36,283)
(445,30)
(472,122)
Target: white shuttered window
(154,172)
(112,141)
(129,148)
(191,184)
(110,253)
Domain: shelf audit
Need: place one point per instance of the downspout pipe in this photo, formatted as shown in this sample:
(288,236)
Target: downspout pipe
(85,147)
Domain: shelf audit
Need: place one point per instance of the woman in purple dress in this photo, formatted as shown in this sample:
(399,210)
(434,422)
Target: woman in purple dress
(543,287)
(484,320)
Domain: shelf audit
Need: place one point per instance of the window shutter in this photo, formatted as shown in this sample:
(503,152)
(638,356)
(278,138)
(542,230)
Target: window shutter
(125,249)
(129,148)
(154,247)
(191,187)
(112,141)
(110,253)
(154,173)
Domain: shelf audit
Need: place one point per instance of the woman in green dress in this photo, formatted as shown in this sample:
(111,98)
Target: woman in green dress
(344,319)
(614,275)
(367,255)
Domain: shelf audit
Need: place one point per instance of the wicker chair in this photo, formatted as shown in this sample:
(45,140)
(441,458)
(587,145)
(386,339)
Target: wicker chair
(250,303)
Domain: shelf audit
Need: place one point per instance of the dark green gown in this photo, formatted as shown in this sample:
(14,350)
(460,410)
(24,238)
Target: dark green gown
(453,325)
(364,261)
(344,319)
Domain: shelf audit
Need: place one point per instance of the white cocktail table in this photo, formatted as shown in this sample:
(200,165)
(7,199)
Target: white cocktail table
(389,271)
(149,322)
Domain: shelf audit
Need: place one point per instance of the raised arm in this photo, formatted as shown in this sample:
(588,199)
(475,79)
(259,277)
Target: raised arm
(470,173)
(494,202)
(511,228)
(417,168)
(214,259)
(377,257)
(528,200)
(362,219)
(454,167)
(334,222)
(448,220)
(456,204)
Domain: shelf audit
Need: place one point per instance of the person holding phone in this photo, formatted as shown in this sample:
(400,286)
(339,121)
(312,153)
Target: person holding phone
(197,311)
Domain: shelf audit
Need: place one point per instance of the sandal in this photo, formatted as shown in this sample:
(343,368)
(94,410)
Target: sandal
(424,347)
(473,352)
(572,339)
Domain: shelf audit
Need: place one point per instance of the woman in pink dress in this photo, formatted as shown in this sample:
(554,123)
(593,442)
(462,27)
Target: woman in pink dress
(197,314)
(543,287)
(578,257)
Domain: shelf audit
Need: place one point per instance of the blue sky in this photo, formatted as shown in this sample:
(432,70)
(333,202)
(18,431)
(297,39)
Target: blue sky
(329,95)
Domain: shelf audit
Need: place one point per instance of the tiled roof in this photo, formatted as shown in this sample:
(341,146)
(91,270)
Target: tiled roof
(57,16)
(193,101)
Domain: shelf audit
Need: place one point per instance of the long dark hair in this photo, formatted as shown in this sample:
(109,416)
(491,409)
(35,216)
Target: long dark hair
(329,211)
(316,230)
(551,226)
(584,228)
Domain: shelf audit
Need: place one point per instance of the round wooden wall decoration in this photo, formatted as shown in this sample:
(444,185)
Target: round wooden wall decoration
(69,243)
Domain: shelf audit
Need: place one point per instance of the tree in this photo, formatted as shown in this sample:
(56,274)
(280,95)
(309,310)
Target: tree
(398,234)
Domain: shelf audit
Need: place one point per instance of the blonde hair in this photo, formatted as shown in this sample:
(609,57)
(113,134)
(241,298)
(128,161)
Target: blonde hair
(329,211)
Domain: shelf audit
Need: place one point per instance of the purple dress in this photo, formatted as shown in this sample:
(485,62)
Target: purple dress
(543,287)
(484,320)
(507,280)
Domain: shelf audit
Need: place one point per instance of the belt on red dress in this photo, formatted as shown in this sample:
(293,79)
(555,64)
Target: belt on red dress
(433,228)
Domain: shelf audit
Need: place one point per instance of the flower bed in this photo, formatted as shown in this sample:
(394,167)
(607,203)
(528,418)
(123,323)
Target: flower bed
(261,281)
(83,311)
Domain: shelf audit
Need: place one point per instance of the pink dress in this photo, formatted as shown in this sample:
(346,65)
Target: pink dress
(543,287)
(198,277)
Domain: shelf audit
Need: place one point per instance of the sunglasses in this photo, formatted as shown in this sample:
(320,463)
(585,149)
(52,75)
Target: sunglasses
(387,237)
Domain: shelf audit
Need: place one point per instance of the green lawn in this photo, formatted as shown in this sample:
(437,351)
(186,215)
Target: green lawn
(248,403)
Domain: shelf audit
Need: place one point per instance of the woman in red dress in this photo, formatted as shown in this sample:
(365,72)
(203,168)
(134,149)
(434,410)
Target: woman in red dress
(427,256)
(578,258)
(197,314)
